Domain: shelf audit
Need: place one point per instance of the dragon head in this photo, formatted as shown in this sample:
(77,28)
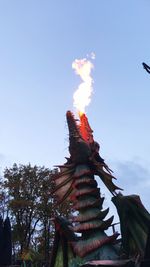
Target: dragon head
(84,150)
(80,138)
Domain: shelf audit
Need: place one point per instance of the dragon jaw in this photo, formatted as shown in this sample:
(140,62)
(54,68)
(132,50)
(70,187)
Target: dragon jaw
(80,138)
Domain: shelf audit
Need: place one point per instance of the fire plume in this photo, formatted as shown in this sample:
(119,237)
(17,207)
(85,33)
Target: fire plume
(82,96)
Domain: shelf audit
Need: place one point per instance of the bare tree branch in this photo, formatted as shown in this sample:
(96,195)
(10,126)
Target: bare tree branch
(146,67)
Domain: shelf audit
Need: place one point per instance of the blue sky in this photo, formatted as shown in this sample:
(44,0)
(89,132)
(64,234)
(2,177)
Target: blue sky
(38,42)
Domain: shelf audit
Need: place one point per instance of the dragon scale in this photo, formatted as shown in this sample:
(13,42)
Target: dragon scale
(76,183)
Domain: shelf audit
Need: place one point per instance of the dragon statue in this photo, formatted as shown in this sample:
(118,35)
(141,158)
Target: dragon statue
(82,240)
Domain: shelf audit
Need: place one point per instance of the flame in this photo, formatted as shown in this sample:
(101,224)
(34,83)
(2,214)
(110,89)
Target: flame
(82,96)
(85,129)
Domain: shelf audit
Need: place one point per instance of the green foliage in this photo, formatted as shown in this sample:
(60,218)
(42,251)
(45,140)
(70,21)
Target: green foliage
(76,262)
(26,194)
(3,200)
(22,184)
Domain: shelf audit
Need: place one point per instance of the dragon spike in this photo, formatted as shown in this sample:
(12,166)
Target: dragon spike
(72,125)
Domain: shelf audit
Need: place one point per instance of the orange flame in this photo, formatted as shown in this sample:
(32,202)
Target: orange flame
(85,129)
(82,96)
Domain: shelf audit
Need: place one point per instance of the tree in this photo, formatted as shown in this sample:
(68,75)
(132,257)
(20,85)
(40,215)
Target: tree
(32,208)
(45,212)
(3,200)
(48,209)
(22,186)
